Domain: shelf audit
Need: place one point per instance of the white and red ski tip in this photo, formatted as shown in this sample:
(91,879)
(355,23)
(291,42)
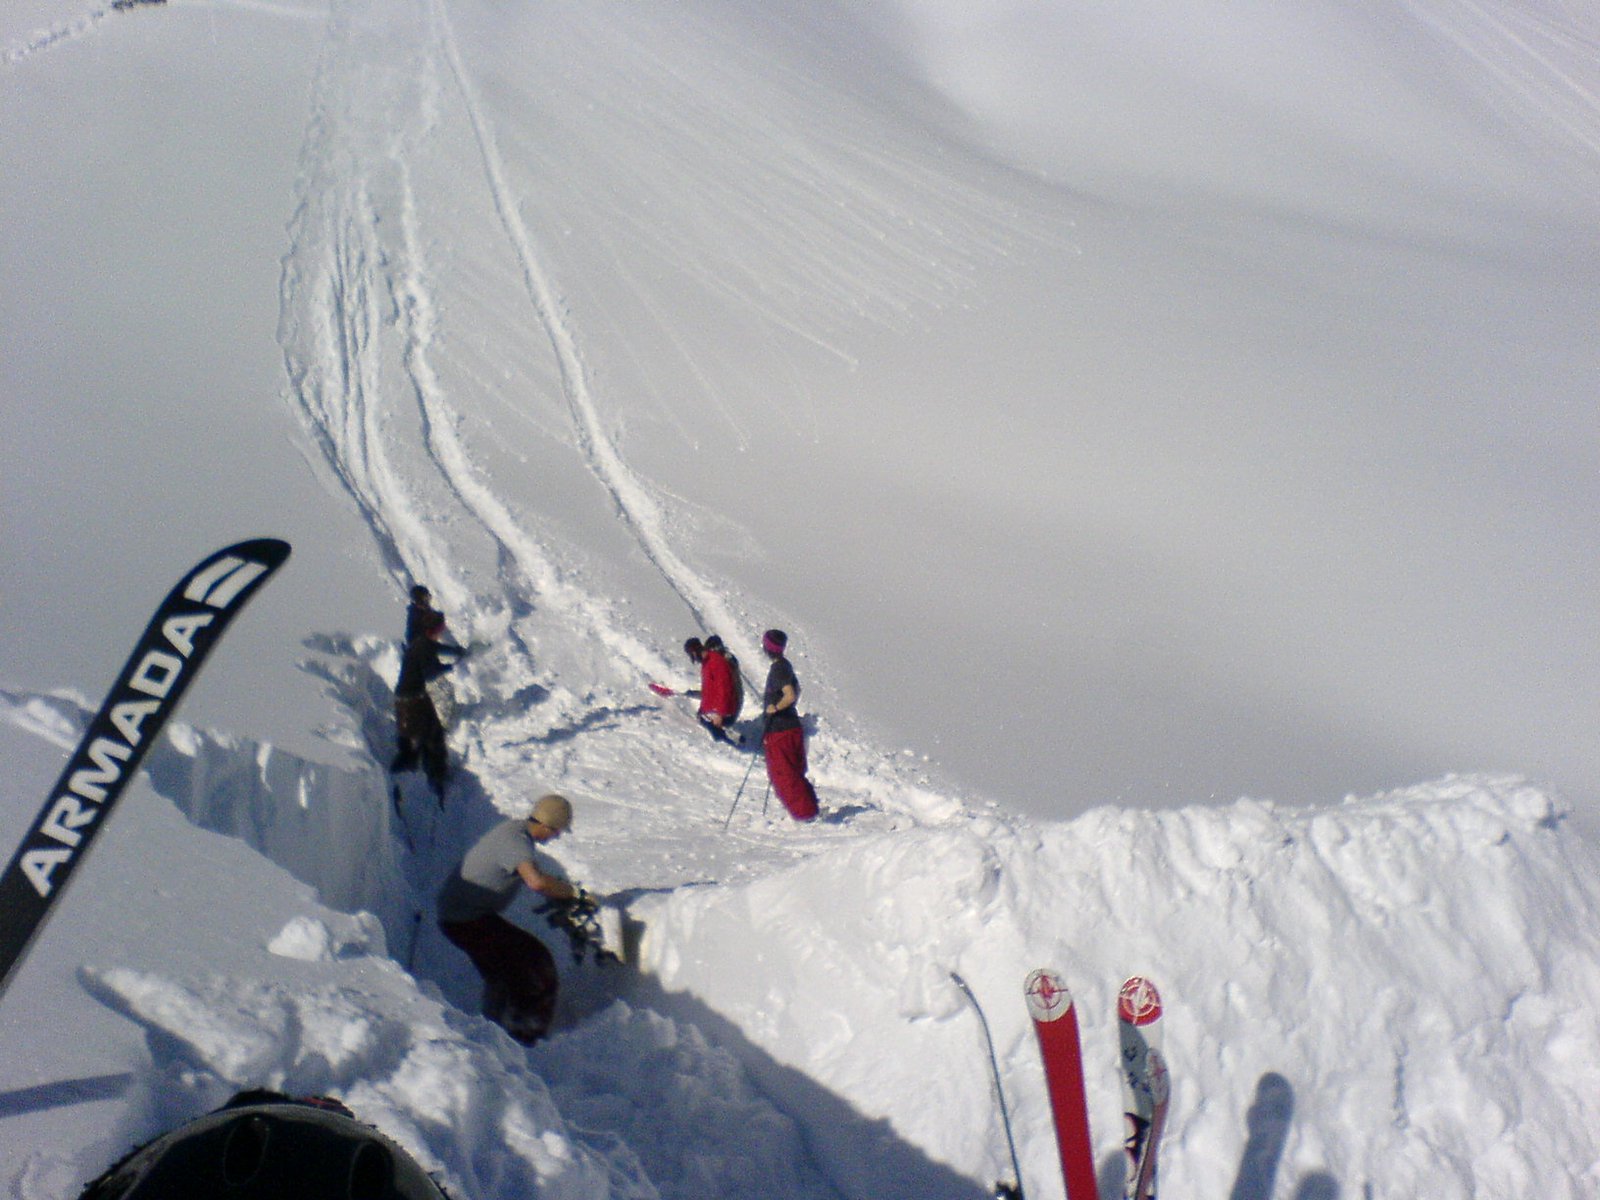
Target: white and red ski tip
(1048,998)
(1139,1004)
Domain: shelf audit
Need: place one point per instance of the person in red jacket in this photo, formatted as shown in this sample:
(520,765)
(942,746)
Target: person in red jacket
(721,689)
(785,738)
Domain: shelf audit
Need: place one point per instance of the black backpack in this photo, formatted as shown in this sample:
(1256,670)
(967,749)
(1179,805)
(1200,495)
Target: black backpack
(738,684)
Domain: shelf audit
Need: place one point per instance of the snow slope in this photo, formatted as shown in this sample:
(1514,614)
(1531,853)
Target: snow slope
(1266,471)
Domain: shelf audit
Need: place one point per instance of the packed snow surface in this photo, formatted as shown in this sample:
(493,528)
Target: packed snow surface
(1124,412)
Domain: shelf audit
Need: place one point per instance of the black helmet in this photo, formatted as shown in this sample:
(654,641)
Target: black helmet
(714,642)
(420,594)
(262,1146)
(694,648)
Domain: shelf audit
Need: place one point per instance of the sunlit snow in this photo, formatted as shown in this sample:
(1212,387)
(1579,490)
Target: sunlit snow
(1168,437)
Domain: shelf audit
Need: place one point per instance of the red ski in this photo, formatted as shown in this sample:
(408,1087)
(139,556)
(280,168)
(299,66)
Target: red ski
(1055,1021)
(1145,1085)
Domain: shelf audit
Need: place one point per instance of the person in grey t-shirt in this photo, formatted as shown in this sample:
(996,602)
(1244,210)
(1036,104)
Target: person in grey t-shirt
(519,975)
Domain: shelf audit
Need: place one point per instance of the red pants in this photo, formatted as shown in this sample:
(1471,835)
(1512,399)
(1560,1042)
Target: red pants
(519,976)
(786,768)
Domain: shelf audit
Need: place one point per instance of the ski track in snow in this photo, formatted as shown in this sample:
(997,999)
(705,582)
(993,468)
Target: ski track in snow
(342,288)
(633,501)
(341,283)
(357,297)
(53,36)
(62,32)
(1539,59)
(363,269)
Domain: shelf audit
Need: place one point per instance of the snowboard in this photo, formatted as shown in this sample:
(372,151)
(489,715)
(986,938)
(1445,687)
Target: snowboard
(167,657)
(1055,1023)
(1146,1086)
(611,922)
(444,700)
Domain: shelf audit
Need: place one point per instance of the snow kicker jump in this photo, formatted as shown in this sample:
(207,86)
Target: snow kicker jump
(168,656)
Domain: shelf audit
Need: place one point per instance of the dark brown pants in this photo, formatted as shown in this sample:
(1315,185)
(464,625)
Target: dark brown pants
(421,738)
(519,975)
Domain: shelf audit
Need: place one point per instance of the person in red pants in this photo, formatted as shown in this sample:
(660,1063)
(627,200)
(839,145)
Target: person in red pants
(785,738)
(519,974)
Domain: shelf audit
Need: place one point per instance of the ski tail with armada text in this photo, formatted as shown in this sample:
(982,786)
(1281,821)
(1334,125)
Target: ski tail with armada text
(168,656)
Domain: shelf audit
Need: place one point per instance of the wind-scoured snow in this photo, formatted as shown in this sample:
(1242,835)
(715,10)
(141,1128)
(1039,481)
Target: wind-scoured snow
(1124,412)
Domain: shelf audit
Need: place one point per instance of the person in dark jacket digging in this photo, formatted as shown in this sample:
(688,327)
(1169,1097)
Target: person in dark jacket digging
(420,731)
(419,613)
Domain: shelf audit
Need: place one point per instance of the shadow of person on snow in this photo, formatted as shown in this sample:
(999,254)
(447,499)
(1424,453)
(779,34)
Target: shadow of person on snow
(1267,1124)
(591,721)
(1318,1185)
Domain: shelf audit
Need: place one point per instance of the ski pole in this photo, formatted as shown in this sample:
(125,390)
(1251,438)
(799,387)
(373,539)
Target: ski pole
(994,1070)
(739,793)
(744,781)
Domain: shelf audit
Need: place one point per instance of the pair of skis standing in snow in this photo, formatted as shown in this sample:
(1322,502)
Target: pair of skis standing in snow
(1146,1086)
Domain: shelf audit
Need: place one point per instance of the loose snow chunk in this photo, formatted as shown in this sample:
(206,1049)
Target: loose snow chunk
(58,717)
(312,940)
(1535,807)
(548,1152)
(305,938)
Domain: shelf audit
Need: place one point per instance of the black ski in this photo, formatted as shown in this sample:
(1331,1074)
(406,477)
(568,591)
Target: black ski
(167,658)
